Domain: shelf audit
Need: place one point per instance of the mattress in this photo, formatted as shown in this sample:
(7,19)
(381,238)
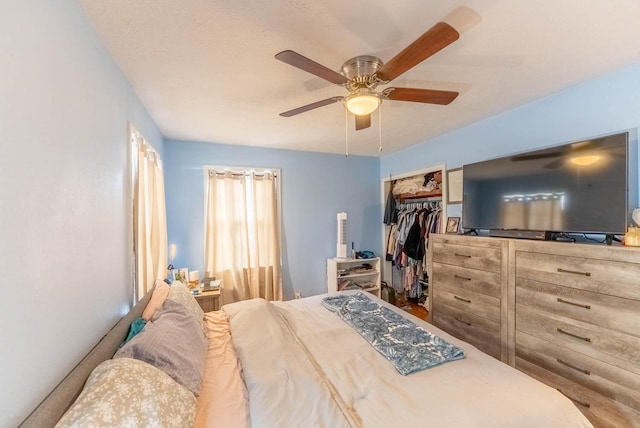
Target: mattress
(302,365)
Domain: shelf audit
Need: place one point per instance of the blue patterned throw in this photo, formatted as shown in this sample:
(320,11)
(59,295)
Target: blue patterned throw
(409,348)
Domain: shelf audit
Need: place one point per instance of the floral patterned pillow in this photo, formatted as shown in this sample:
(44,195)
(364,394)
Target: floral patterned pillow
(130,393)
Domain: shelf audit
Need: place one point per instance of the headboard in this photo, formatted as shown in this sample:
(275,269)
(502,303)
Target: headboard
(49,412)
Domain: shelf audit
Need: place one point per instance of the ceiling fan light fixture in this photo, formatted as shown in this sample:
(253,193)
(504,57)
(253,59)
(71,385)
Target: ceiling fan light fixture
(362,104)
(362,74)
(585,160)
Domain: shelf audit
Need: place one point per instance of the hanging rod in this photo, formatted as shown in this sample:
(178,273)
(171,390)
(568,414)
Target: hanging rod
(423,204)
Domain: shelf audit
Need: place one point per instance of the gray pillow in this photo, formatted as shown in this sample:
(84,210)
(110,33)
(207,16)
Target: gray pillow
(174,343)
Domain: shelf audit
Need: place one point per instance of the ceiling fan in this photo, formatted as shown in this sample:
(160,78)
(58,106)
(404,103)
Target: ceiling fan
(362,75)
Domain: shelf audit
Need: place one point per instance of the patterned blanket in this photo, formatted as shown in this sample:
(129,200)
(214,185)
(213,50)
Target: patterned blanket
(409,348)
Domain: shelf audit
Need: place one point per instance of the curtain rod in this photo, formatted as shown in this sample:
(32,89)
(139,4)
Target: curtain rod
(241,174)
(146,149)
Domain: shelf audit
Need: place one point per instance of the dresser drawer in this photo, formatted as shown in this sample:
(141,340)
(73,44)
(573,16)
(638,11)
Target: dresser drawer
(474,257)
(468,301)
(619,349)
(606,379)
(600,410)
(480,332)
(609,312)
(601,276)
(469,279)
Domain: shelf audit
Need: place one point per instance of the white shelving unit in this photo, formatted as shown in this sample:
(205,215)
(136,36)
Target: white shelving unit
(343,271)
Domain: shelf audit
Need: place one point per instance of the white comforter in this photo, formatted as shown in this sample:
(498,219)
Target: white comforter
(304,367)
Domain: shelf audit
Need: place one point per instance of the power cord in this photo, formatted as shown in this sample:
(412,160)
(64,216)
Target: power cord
(561,235)
(593,239)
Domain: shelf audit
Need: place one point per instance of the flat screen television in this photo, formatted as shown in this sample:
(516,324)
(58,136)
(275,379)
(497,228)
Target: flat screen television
(581,187)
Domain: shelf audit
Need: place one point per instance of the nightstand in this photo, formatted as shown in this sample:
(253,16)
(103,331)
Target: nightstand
(208,300)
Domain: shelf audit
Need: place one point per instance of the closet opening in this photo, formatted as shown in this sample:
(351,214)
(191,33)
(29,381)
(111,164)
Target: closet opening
(414,209)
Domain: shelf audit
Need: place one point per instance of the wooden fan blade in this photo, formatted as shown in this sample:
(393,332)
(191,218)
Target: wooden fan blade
(437,38)
(363,122)
(311,106)
(430,96)
(310,66)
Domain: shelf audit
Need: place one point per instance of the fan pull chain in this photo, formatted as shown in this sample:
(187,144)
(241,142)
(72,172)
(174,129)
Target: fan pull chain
(346,133)
(380,128)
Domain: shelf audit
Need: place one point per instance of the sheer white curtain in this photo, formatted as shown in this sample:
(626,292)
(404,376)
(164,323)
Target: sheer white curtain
(150,222)
(242,244)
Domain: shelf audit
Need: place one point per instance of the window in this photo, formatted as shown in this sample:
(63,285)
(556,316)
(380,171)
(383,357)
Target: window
(242,232)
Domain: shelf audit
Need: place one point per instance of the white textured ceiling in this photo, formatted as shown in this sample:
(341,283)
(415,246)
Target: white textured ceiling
(205,69)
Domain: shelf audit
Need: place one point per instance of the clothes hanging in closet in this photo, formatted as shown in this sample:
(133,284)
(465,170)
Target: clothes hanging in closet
(408,241)
(390,212)
(414,244)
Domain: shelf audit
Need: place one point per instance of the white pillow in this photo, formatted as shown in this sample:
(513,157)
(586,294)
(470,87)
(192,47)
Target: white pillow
(130,393)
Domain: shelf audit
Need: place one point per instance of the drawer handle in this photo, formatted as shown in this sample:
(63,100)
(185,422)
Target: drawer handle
(462,277)
(461,255)
(573,303)
(462,321)
(582,403)
(575,272)
(460,298)
(586,339)
(571,366)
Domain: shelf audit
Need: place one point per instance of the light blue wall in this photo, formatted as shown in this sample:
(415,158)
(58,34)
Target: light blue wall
(606,105)
(315,186)
(65,210)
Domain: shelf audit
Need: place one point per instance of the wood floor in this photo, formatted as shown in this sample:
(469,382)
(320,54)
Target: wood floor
(413,308)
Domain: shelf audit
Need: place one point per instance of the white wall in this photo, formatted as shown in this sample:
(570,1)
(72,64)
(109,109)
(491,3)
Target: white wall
(65,216)
(601,106)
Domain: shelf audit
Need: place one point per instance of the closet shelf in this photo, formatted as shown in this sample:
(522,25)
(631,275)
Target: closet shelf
(433,194)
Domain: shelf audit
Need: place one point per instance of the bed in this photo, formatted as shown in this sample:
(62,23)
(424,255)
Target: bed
(297,363)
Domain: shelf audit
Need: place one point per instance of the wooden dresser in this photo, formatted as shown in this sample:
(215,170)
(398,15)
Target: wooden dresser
(569,314)
(577,325)
(468,290)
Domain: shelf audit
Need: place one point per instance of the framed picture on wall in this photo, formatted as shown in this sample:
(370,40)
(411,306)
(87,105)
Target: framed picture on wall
(454,186)
(452,224)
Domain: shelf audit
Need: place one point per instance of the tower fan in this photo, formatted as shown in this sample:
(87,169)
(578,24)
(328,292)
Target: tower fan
(341,250)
